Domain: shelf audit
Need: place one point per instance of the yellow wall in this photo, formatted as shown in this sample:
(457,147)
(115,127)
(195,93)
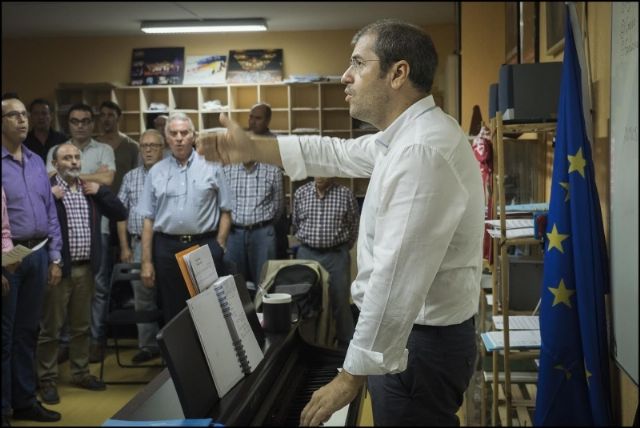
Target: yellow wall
(482,53)
(34,67)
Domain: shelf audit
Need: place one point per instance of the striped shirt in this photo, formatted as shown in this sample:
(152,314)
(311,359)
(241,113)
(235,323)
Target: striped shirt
(77,208)
(129,194)
(328,221)
(257,193)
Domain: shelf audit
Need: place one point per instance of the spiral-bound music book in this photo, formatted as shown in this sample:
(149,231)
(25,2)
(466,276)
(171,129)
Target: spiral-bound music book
(230,347)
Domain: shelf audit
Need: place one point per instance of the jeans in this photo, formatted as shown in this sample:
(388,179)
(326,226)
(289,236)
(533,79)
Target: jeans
(250,249)
(21,311)
(100,301)
(144,300)
(337,263)
(430,391)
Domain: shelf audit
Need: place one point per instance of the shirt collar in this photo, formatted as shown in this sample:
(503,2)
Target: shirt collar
(189,160)
(26,152)
(418,108)
(65,185)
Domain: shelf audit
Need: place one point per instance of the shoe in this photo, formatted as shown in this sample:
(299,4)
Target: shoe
(144,356)
(90,382)
(63,354)
(49,393)
(96,352)
(36,413)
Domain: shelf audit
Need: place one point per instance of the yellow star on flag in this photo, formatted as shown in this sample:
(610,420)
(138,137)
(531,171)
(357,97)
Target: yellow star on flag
(565,186)
(577,162)
(587,373)
(555,239)
(561,294)
(567,373)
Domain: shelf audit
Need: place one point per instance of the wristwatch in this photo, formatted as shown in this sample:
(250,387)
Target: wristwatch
(58,262)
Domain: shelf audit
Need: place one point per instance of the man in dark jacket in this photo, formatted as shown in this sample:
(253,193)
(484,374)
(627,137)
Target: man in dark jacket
(79,213)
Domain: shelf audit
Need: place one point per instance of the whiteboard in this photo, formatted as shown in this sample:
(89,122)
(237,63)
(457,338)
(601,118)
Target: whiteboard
(624,185)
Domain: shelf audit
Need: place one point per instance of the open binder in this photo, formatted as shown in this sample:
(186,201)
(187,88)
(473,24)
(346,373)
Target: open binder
(229,344)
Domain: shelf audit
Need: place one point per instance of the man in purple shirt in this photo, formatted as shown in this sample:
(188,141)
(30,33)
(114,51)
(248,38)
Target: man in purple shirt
(32,217)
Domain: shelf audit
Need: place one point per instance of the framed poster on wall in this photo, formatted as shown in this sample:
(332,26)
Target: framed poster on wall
(157,66)
(254,66)
(512,33)
(528,32)
(555,27)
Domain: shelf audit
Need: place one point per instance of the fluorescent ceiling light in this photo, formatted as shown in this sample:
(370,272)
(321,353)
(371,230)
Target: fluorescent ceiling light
(204,26)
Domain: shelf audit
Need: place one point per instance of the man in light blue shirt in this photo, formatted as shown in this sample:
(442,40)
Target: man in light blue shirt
(185,201)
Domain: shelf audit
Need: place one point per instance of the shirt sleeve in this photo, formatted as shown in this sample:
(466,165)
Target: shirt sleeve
(278,193)
(55,235)
(108,157)
(147,204)
(421,203)
(7,243)
(225,201)
(354,219)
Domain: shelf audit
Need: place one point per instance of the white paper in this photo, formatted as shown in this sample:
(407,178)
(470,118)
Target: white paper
(494,340)
(19,252)
(512,223)
(517,322)
(201,267)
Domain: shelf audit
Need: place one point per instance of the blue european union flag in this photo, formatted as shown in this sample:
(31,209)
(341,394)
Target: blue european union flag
(573,381)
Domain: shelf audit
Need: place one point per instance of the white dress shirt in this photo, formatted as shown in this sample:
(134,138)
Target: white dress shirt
(420,237)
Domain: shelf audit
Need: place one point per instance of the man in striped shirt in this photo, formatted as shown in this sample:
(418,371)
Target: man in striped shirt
(145,299)
(325,219)
(258,203)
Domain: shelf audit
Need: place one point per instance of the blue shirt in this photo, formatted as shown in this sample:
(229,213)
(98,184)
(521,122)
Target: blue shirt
(185,200)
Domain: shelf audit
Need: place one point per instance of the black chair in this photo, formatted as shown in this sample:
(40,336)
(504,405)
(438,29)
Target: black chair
(120,317)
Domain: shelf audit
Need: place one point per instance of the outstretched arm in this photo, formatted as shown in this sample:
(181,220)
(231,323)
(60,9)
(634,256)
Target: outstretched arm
(237,146)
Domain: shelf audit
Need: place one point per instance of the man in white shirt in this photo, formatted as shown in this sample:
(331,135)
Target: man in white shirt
(420,234)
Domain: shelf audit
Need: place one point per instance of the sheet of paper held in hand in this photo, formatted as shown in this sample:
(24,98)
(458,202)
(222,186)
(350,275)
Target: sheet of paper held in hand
(19,252)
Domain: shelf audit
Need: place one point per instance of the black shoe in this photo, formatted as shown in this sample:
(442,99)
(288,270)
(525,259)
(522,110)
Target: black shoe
(144,356)
(49,393)
(63,354)
(96,353)
(36,413)
(90,382)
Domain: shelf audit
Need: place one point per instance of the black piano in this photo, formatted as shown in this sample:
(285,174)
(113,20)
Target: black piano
(274,394)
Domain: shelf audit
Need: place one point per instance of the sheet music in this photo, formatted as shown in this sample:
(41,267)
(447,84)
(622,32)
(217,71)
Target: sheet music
(512,233)
(512,223)
(201,265)
(241,322)
(518,322)
(216,340)
(19,252)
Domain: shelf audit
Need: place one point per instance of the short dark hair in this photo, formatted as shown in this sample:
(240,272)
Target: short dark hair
(267,110)
(80,107)
(40,101)
(397,40)
(54,151)
(111,105)
(10,96)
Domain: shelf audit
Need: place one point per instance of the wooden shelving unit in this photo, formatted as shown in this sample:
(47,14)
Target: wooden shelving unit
(513,393)
(300,108)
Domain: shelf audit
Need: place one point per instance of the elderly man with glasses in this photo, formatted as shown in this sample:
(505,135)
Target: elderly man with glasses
(130,237)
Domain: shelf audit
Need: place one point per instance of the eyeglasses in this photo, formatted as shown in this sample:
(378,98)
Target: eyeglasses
(15,115)
(151,146)
(358,63)
(78,122)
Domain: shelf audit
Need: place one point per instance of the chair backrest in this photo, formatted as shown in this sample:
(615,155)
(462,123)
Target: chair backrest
(121,292)
(303,283)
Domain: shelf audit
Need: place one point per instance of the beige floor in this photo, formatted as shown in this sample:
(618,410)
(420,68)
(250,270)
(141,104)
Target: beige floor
(80,407)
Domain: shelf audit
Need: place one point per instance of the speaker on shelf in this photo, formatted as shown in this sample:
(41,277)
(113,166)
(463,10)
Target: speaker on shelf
(529,92)
(493,100)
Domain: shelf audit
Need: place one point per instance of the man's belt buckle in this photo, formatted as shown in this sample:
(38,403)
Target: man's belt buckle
(185,239)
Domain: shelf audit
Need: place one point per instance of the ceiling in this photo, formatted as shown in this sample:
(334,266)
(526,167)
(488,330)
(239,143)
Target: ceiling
(43,19)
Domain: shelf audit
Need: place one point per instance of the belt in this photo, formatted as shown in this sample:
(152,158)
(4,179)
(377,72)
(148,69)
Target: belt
(325,250)
(80,262)
(29,243)
(185,239)
(252,226)
(440,327)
